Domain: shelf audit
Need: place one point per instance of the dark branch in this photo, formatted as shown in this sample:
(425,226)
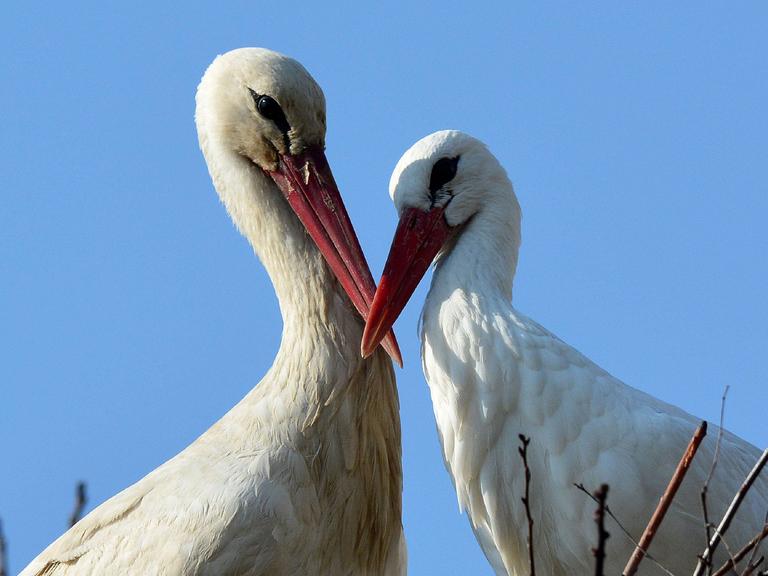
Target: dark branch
(80,501)
(704,559)
(666,501)
(3,557)
(624,530)
(600,495)
(752,567)
(523,450)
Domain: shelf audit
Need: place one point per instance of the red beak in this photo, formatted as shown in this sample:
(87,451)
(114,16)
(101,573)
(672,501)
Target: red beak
(307,183)
(418,239)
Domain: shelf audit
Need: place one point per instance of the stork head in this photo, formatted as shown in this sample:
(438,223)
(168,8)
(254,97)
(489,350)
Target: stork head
(265,107)
(440,184)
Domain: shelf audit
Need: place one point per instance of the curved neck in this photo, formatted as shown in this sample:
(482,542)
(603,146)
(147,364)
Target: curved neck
(320,399)
(321,331)
(302,281)
(482,257)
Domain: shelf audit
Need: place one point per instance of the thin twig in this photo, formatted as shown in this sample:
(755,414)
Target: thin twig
(728,550)
(3,557)
(757,546)
(705,488)
(80,501)
(666,501)
(731,512)
(725,568)
(523,450)
(624,530)
(752,567)
(601,495)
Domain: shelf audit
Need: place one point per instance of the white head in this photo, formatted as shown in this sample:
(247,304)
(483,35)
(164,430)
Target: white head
(445,185)
(449,170)
(261,124)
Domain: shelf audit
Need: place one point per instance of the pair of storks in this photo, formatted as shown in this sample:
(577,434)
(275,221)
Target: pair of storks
(303,476)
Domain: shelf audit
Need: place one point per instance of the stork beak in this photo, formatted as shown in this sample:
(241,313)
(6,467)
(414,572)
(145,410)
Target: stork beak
(307,183)
(418,239)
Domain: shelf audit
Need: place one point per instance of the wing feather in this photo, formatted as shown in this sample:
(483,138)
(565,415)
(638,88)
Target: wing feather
(494,378)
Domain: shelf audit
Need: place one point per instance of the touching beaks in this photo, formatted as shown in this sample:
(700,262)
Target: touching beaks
(307,183)
(418,239)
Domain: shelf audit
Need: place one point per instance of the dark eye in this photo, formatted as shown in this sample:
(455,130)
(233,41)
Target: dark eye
(270,109)
(443,172)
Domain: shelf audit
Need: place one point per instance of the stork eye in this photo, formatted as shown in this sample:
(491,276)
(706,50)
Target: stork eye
(443,172)
(271,110)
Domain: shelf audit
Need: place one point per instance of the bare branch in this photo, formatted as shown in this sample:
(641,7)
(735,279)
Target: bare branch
(730,513)
(725,568)
(624,530)
(80,501)
(728,550)
(3,557)
(752,567)
(666,501)
(705,488)
(757,547)
(523,450)
(601,495)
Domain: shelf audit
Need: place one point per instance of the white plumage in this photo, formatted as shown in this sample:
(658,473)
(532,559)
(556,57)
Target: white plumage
(303,476)
(493,374)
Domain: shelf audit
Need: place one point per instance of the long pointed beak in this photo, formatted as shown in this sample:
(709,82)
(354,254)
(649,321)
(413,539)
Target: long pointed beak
(307,183)
(418,239)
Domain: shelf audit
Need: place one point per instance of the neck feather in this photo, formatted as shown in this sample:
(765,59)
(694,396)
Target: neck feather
(315,310)
(482,257)
(320,397)
(301,279)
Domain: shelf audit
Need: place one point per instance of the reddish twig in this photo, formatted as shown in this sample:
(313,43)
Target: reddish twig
(705,488)
(730,513)
(523,450)
(601,495)
(80,501)
(666,501)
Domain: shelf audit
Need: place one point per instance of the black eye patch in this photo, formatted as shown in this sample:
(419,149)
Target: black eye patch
(443,172)
(271,110)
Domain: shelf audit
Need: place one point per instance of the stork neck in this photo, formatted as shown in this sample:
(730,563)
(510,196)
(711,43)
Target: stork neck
(303,283)
(483,256)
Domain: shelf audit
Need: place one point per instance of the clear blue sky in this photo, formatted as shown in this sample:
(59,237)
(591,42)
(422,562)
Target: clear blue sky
(132,315)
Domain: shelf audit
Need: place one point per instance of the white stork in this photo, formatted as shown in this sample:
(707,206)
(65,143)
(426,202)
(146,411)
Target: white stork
(303,476)
(494,374)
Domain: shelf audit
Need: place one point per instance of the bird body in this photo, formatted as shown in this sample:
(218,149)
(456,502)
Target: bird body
(495,374)
(303,476)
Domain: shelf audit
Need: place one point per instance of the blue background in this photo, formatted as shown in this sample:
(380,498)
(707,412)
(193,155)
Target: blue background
(132,315)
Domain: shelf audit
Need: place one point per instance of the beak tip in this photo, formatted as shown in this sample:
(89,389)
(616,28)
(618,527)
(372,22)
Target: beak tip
(390,345)
(367,348)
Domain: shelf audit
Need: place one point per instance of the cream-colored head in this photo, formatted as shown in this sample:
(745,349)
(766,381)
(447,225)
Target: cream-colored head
(259,104)
(261,124)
